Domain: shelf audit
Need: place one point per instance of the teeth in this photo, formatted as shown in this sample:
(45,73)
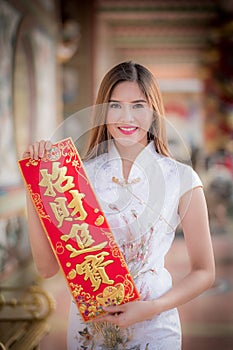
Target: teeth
(128,129)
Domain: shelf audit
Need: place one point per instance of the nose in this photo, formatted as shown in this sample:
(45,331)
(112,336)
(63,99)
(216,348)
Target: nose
(127,115)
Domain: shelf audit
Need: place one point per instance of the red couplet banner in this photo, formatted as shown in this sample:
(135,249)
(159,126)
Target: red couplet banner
(77,229)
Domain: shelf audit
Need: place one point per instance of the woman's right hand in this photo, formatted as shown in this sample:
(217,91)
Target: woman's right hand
(37,150)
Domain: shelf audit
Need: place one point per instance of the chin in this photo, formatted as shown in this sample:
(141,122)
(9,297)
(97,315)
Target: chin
(130,142)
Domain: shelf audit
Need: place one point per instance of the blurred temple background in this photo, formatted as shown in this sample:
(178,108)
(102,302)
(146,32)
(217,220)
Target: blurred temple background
(53,55)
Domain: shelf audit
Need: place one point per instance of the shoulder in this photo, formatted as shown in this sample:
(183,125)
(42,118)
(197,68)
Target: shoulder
(178,174)
(188,177)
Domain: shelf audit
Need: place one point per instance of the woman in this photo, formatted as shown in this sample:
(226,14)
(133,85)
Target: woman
(145,194)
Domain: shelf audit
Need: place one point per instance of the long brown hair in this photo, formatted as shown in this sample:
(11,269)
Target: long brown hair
(133,72)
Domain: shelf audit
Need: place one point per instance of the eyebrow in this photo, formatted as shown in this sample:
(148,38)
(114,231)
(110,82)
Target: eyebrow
(136,101)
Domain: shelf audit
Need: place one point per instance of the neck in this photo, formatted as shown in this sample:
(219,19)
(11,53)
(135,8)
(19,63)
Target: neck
(129,151)
(128,154)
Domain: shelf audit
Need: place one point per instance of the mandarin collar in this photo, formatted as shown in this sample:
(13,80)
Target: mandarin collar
(144,158)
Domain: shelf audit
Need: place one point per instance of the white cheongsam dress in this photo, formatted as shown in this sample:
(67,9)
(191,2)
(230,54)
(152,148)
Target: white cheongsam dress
(143,216)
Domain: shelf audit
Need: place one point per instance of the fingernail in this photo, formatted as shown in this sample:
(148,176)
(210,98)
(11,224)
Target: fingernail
(48,146)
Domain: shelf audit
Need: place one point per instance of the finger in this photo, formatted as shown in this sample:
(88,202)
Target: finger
(98,319)
(31,151)
(48,145)
(35,152)
(114,309)
(26,154)
(41,149)
(111,318)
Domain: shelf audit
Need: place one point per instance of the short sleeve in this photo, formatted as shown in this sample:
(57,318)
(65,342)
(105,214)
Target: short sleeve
(189,179)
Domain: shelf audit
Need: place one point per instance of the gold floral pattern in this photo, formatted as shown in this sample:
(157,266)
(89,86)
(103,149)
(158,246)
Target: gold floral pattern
(68,150)
(39,204)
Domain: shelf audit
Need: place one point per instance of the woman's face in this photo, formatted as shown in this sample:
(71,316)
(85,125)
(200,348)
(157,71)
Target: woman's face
(129,116)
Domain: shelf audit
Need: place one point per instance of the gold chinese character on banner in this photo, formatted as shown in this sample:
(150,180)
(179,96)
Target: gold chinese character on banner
(60,211)
(93,268)
(77,205)
(57,180)
(83,239)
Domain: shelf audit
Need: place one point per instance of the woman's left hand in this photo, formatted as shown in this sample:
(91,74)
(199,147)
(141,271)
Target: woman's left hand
(127,314)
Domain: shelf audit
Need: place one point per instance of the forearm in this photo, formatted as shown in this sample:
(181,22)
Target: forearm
(42,252)
(195,283)
(137,311)
(194,218)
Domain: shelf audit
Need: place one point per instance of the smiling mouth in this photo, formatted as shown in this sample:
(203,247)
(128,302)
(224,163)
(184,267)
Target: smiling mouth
(128,130)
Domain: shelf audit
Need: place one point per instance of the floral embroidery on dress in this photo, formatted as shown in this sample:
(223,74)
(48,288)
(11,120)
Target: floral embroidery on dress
(112,337)
(135,249)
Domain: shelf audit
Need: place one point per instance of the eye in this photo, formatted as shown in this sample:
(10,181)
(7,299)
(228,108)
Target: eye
(138,105)
(114,105)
